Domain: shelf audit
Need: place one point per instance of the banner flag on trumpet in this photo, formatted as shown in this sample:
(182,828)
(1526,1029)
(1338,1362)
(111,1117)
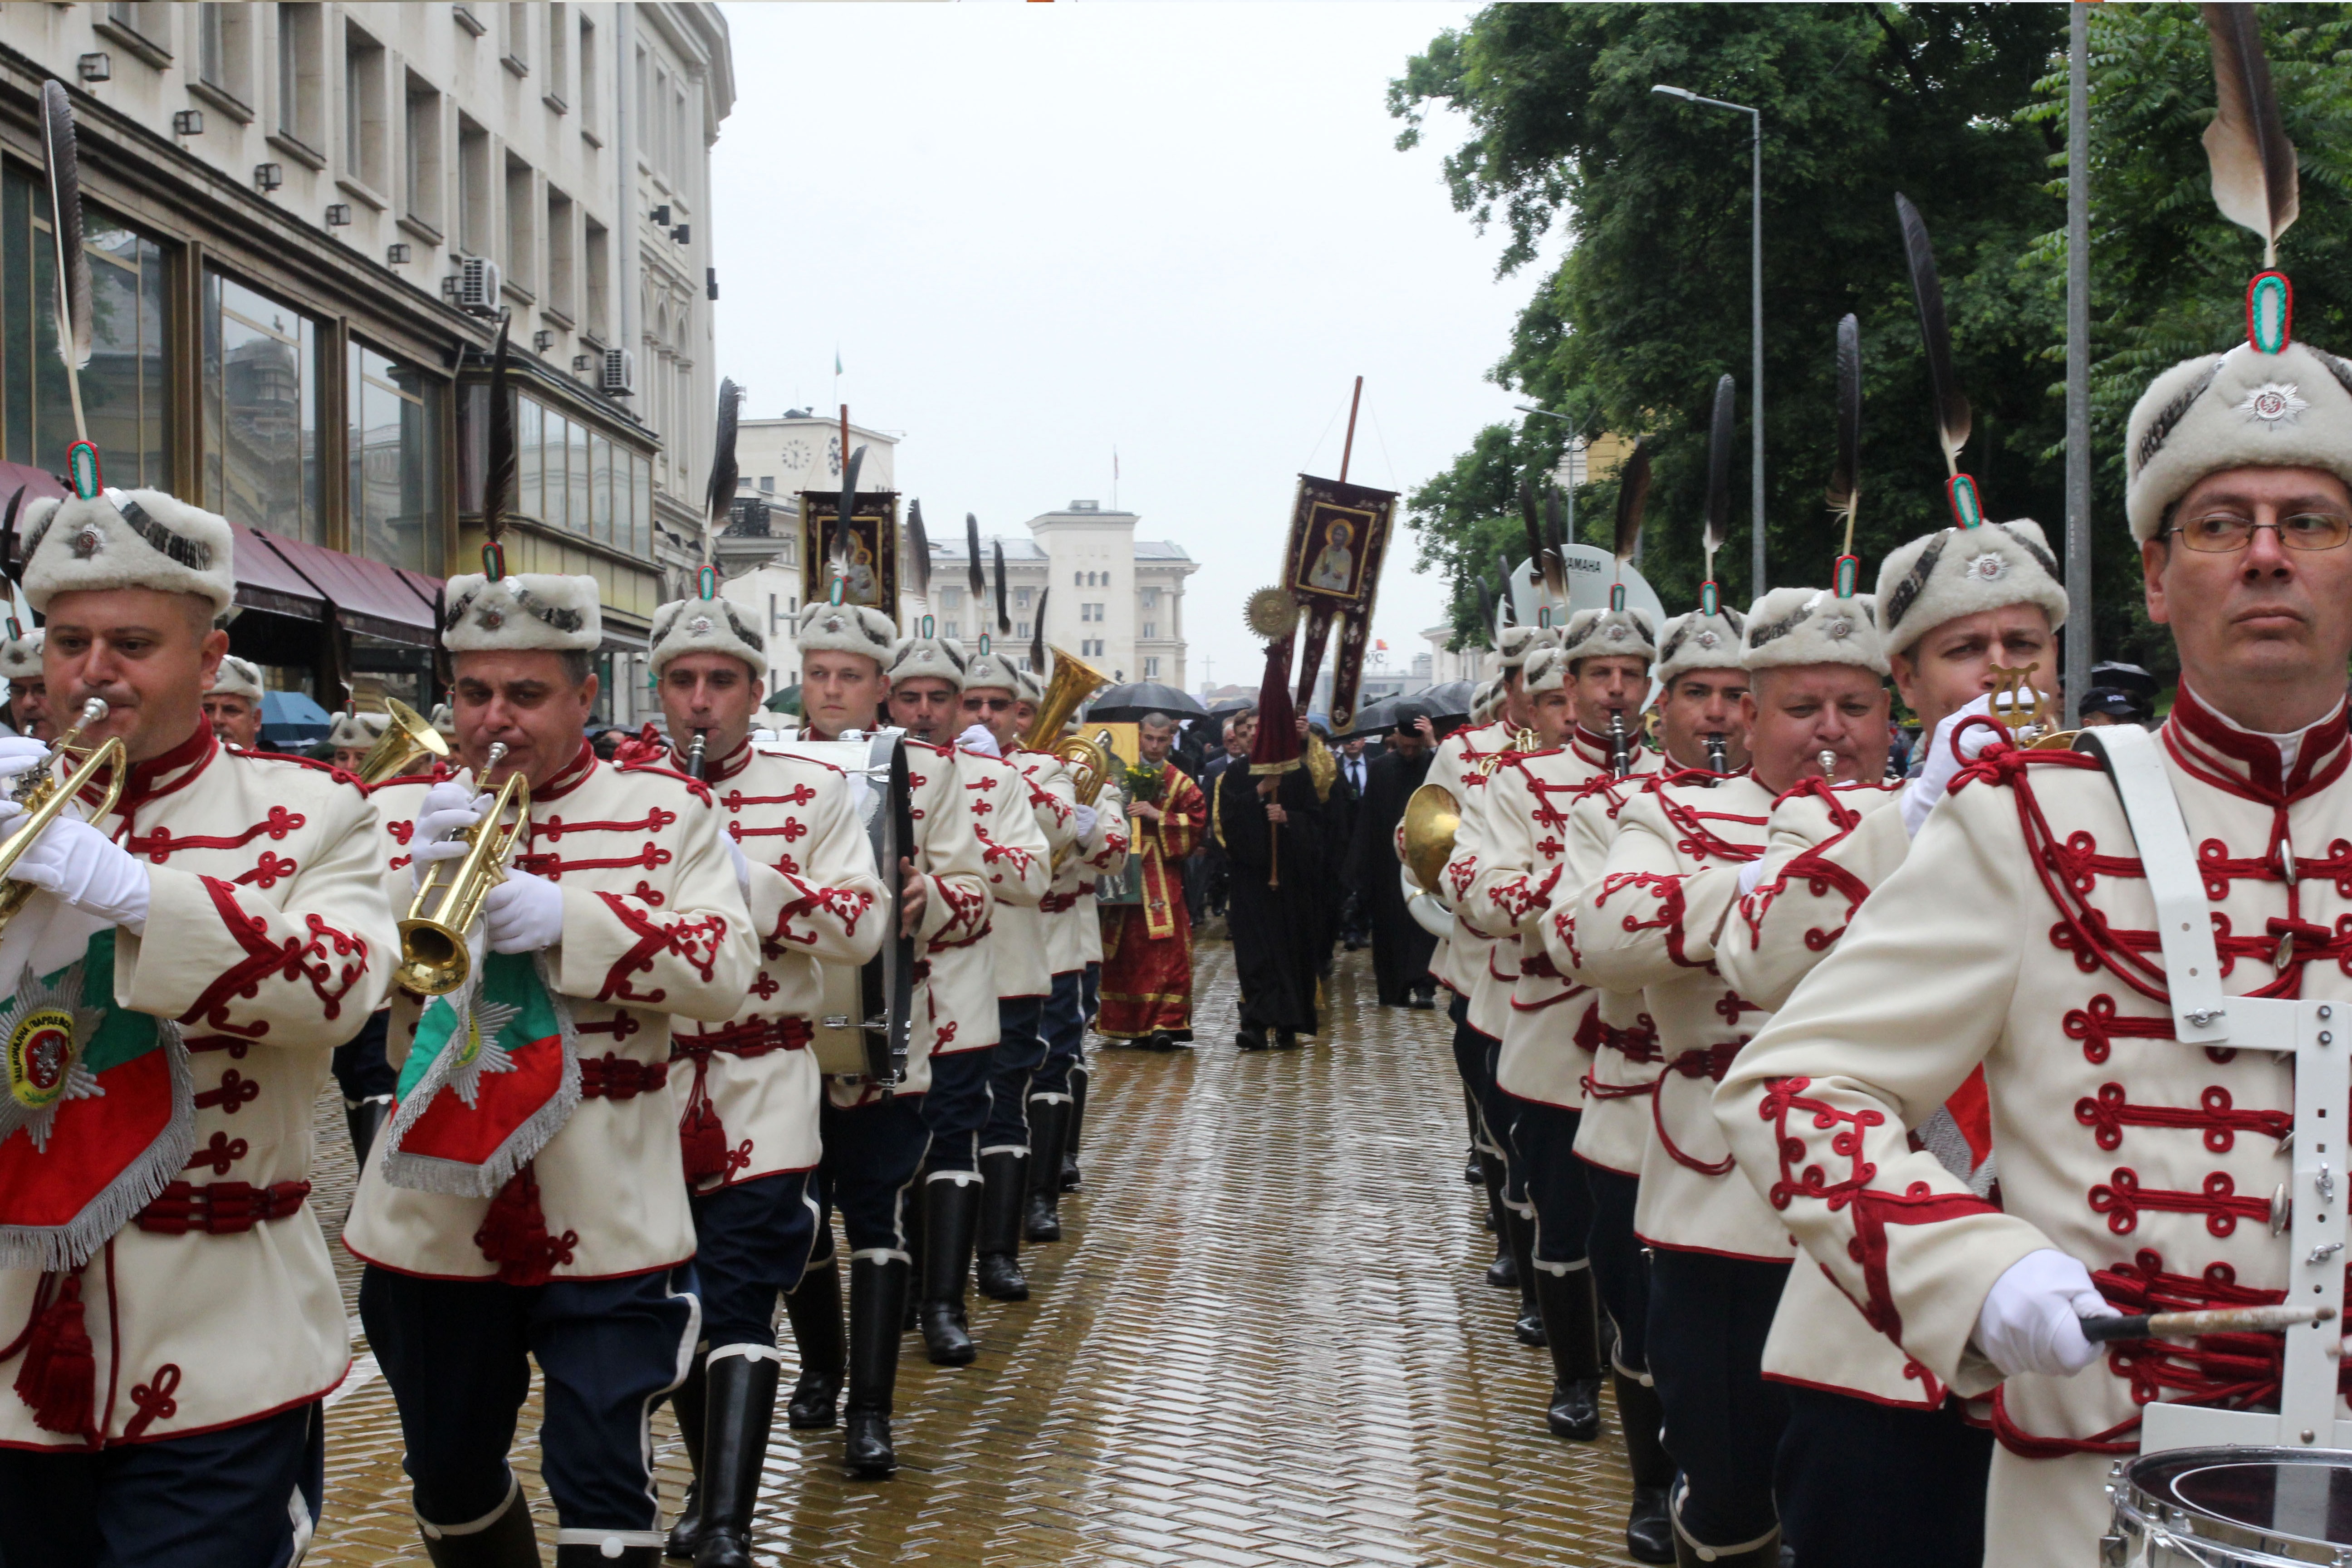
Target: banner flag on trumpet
(493,1074)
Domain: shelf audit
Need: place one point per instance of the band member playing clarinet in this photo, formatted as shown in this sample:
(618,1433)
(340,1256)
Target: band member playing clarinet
(168,1312)
(527,1202)
(749,1117)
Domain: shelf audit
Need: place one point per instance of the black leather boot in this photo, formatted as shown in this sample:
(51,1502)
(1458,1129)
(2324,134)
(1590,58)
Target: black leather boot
(686,1403)
(1649,1533)
(1005,1177)
(877,1300)
(1049,1123)
(814,1312)
(1571,1328)
(1079,1077)
(504,1539)
(1503,1274)
(1519,1231)
(951,1211)
(364,1121)
(740,1402)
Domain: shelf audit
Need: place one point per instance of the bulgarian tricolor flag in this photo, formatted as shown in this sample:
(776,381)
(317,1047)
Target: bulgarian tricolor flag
(99,1113)
(492,1075)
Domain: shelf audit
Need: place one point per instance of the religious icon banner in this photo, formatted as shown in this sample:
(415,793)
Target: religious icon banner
(1339,537)
(873,548)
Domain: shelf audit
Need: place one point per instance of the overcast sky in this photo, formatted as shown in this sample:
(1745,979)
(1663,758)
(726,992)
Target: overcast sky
(1040,232)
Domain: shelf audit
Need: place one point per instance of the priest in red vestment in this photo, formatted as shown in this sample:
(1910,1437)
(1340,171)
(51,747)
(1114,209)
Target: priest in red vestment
(1147,970)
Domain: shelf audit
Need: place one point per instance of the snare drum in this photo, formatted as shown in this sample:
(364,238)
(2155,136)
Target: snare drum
(2231,1507)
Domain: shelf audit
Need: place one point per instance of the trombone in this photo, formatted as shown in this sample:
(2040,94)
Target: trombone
(433,959)
(46,798)
(405,738)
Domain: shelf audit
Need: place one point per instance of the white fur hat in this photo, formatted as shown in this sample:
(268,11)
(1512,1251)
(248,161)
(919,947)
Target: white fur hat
(535,610)
(1482,702)
(127,539)
(237,678)
(1791,626)
(357,732)
(828,627)
(1033,684)
(1700,641)
(1959,572)
(1511,647)
(1606,634)
(917,658)
(1545,670)
(706,626)
(2239,409)
(996,671)
(444,722)
(20,658)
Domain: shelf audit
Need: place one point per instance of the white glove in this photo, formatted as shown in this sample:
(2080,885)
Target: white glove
(524,913)
(86,870)
(979,738)
(21,755)
(1086,815)
(447,809)
(2032,1321)
(743,864)
(1920,795)
(1750,875)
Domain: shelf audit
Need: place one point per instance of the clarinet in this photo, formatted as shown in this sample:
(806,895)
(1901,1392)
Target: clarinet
(1621,748)
(1716,759)
(694,753)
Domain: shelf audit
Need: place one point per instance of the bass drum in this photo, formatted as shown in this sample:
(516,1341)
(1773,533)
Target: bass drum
(867,1013)
(2231,1507)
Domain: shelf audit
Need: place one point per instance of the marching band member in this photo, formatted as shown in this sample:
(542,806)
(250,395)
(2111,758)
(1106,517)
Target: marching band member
(1863,1416)
(749,1127)
(1719,1257)
(2019,933)
(1029,793)
(233,706)
(28,692)
(876,1138)
(165,1293)
(354,734)
(540,1219)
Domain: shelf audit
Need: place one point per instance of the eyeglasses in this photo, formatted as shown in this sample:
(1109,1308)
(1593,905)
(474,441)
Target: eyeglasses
(991,704)
(2226,534)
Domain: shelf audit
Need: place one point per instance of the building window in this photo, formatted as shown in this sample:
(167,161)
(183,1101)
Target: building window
(1151,598)
(145,29)
(768,484)
(1077,579)
(1151,629)
(1150,669)
(1021,629)
(599,248)
(367,135)
(950,628)
(395,461)
(261,411)
(522,245)
(568,477)
(124,388)
(1021,598)
(558,253)
(302,86)
(514,38)
(223,56)
(421,162)
(558,50)
(590,122)
(950,599)
(473,207)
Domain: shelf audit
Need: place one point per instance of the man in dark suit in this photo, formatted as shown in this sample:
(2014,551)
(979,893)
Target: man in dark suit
(1356,918)
(1401,948)
(1240,729)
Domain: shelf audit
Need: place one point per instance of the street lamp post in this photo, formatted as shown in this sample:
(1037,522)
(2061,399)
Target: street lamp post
(1755,311)
(1568,492)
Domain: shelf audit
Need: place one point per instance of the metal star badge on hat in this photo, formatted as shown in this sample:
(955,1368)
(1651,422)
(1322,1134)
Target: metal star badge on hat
(2273,403)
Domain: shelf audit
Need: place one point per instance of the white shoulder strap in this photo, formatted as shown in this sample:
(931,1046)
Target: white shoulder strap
(2135,761)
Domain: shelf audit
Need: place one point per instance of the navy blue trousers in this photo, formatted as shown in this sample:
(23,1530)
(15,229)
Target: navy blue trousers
(1065,1026)
(1540,1142)
(243,1497)
(752,1243)
(457,1355)
(1093,984)
(1498,1110)
(1862,1484)
(1708,1320)
(361,1072)
(1619,1270)
(956,1108)
(1474,1059)
(1019,1052)
(871,1155)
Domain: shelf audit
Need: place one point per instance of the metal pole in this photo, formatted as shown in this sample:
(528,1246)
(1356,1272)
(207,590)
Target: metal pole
(2078,360)
(1756,366)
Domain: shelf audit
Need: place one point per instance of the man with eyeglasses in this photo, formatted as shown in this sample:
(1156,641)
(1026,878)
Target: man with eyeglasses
(2139,1169)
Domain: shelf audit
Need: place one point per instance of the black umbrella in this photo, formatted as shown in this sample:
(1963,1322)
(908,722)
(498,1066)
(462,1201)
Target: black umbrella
(1372,721)
(1115,704)
(1232,704)
(1450,700)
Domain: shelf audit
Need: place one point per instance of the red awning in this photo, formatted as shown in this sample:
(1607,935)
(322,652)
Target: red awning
(368,597)
(264,581)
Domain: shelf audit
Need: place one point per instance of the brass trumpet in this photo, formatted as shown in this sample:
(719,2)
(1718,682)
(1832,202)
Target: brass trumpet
(434,960)
(408,738)
(46,799)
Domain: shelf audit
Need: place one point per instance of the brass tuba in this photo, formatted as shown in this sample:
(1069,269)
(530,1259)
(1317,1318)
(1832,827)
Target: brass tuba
(434,960)
(46,799)
(1074,681)
(406,738)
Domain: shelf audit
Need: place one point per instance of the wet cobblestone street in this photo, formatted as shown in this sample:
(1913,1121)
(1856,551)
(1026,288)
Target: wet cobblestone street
(1266,1339)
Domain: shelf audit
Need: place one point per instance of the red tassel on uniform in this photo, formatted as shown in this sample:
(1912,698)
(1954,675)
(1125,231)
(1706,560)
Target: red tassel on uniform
(702,1141)
(514,1235)
(60,1377)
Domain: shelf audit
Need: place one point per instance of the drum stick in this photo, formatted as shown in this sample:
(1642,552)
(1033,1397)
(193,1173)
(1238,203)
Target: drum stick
(2219,1321)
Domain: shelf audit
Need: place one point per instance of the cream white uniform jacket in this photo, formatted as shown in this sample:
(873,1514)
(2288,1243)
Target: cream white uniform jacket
(816,899)
(1460,765)
(1651,923)
(270,940)
(1016,866)
(1623,1072)
(1024,959)
(653,925)
(2017,933)
(1073,931)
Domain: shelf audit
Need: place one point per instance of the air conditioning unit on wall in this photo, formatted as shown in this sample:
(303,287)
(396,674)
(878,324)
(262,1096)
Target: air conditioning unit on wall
(478,286)
(620,377)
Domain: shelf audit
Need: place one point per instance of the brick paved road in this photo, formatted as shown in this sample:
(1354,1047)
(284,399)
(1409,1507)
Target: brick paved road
(1265,1339)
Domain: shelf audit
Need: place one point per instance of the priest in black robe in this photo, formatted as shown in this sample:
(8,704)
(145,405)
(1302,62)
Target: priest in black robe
(1401,949)
(1271,826)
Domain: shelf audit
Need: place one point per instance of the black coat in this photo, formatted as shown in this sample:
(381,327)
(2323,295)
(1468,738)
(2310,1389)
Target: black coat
(1280,932)
(1401,948)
